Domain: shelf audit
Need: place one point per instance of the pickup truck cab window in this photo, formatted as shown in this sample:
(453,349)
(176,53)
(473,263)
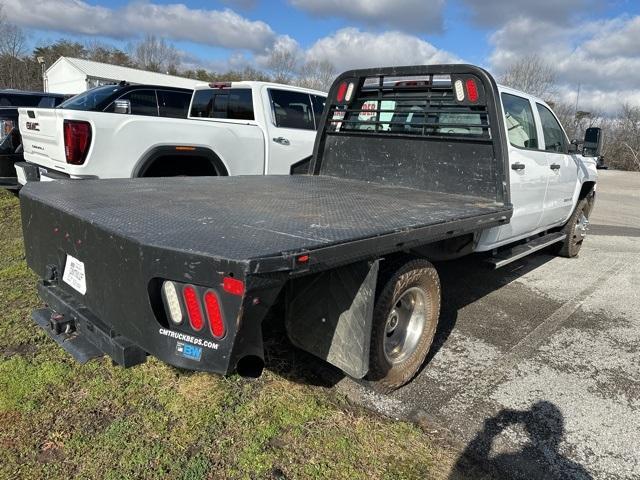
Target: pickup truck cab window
(554,138)
(235,104)
(521,127)
(318,103)
(173,104)
(90,99)
(143,102)
(292,109)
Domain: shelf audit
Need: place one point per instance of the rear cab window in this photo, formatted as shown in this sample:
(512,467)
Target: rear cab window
(232,103)
(519,121)
(292,109)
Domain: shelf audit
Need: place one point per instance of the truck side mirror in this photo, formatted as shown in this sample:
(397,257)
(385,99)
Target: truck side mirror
(122,106)
(592,145)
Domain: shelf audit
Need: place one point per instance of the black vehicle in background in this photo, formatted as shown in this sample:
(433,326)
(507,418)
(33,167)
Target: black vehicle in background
(10,138)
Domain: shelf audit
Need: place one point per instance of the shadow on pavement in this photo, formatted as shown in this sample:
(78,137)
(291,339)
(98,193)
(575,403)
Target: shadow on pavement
(538,458)
(466,280)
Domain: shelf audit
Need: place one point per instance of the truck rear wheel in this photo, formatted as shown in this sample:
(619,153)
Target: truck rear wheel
(576,230)
(405,318)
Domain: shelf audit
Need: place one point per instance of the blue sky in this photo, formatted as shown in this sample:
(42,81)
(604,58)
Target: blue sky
(592,43)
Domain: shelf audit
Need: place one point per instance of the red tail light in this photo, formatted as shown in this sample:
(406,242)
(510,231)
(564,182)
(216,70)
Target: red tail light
(342,90)
(196,320)
(77,140)
(472,90)
(233,286)
(216,323)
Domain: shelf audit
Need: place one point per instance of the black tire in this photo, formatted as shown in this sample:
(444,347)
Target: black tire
(389,370)
(571,245)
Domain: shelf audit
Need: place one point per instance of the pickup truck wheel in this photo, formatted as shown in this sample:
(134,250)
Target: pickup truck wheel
(576,230)
(405,317)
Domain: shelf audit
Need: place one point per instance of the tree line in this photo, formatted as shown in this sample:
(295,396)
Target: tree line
(621,145)
(20,69)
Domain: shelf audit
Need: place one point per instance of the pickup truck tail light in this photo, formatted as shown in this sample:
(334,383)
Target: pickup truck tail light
(472,90)
(196,319)
(77,140)
(170,294)
(216,324)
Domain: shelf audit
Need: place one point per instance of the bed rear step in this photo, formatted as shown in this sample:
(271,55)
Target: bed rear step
(505,257)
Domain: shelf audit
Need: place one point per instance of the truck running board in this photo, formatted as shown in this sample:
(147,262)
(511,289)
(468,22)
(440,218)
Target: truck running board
(511,255)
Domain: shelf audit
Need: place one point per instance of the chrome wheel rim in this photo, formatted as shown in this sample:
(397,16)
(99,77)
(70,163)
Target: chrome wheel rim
(582,223)
(404,325)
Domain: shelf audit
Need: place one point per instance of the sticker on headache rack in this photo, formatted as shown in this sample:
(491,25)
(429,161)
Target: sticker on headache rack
(188,338)
(187,350)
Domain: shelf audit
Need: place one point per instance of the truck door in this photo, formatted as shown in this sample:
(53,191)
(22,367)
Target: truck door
(291,129)
(529,169)
(563,169)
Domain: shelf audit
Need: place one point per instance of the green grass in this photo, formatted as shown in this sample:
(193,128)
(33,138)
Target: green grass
(61,420)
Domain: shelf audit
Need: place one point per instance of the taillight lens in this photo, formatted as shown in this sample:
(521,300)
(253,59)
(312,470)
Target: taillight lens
(472,90)
(212,306)
(77,140)
(196,320)
(170,293)
(233,286)
(457,87)
(342,90)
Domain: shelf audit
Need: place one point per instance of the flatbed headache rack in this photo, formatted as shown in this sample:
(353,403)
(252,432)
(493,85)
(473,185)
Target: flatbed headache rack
(427,165)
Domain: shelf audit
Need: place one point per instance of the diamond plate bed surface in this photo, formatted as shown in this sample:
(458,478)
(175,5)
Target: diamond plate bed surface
(249,217)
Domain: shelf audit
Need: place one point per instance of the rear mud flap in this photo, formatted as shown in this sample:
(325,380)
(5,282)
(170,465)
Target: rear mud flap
(330,315)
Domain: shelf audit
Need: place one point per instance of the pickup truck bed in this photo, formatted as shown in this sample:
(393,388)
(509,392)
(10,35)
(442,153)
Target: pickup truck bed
(246,219)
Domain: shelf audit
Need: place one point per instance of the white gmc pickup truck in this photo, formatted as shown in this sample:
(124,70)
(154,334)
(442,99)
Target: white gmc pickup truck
(237,128)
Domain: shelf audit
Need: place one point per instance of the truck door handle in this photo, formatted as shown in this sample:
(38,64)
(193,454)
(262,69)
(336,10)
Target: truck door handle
(282,140)
(517,166)
(555,166)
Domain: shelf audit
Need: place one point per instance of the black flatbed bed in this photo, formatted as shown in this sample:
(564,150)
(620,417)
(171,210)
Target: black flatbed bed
(124,262)
(246,219)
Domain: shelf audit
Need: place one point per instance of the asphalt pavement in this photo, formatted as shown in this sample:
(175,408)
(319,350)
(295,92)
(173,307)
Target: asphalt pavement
(535,372)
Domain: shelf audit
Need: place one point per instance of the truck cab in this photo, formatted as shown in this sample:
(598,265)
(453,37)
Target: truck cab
(547,174)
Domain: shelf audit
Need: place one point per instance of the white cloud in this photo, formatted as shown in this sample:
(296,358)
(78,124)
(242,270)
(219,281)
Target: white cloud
(222,28)
(494,13)
(351,48)
(406,15)
(601,57)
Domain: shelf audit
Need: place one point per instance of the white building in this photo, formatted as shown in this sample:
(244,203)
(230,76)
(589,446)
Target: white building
(75,75)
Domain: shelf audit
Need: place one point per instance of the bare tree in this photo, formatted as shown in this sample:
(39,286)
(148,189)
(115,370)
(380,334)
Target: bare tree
(155,54)
(531,74)
(105,53)
(12,52)
(282,65)
(622,139)
(317,74)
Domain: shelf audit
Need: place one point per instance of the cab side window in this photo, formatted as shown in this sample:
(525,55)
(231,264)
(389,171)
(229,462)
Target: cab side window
(173,104)
(521,127)
(143,102)
(554,138)
(292,109)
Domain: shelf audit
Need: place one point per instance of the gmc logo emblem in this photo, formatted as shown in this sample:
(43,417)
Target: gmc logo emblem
(33,126)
